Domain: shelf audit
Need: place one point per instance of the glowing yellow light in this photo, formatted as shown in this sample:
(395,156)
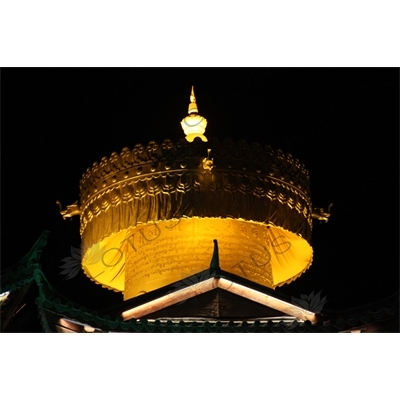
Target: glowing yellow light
(149,256)
(194,125)
(149,217)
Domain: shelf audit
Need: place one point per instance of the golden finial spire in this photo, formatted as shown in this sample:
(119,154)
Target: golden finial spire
(194,125)
(193,106)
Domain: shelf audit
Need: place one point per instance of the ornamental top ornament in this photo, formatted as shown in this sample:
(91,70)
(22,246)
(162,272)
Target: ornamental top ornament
(194,125)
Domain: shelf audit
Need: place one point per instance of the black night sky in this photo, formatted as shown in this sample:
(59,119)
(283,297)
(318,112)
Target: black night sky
(342,123)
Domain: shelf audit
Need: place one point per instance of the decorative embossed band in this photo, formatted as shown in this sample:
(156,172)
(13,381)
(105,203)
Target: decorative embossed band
(245,182)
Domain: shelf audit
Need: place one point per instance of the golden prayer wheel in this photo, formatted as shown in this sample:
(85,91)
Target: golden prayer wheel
(148,216)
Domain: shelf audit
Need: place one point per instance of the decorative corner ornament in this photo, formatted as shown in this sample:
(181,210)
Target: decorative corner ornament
(70,211)
(320,214)
(194,125)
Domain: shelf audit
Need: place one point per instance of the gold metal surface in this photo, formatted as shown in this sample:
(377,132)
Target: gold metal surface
(320,214)
(173,180)
(208,163)
(194,125)
(150,256)
(193,106)
(148,216)
(70,211)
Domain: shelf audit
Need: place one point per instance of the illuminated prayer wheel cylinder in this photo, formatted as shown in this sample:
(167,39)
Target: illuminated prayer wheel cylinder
(149,216)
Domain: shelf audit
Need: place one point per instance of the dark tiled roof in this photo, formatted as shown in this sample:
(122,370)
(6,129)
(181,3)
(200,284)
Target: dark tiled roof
(51,307)
(21,273)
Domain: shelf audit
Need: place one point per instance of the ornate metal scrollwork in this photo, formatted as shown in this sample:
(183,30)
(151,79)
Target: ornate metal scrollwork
(70,211)
(320,214)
